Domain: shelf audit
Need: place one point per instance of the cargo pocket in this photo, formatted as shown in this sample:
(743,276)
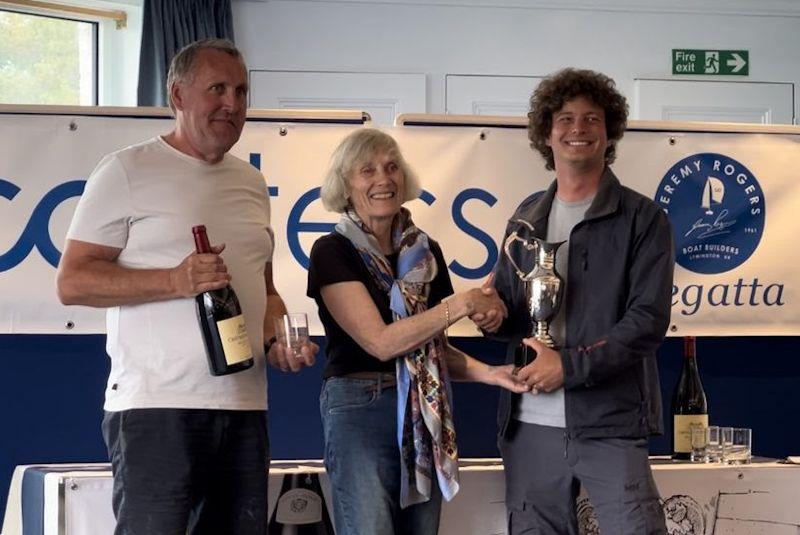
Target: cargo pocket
(522,521)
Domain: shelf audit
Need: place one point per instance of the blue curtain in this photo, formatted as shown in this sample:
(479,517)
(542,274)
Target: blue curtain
(168,26)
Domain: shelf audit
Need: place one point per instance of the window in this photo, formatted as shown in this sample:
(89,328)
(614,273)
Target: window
(47,60)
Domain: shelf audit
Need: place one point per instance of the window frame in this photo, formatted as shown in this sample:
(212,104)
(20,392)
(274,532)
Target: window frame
(95,26)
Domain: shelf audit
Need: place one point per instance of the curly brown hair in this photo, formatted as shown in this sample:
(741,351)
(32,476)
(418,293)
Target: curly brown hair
(567,84)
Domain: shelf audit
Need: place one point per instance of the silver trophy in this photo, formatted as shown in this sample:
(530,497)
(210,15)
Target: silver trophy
(544,287)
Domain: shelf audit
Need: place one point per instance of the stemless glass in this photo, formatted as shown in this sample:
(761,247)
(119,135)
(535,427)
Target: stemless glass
(699,444)
(713,444)
(291,330)
(739,451)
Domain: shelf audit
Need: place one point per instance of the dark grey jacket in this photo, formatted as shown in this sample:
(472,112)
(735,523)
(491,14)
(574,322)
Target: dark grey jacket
(618,293)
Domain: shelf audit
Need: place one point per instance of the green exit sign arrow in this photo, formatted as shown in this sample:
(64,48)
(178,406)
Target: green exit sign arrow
(711,62)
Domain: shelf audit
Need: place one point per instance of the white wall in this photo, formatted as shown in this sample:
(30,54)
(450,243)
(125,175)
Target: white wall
(119,53)
(516,37)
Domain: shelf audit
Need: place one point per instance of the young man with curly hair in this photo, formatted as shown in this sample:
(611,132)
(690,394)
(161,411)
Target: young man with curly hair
(595,398)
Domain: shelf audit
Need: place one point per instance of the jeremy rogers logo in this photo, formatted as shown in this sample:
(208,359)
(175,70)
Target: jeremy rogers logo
(717,210)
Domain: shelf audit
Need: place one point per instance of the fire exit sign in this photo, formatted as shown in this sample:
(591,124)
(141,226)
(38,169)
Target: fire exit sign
(711,62)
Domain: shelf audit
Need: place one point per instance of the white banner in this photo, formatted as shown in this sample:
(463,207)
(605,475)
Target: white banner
(730,197)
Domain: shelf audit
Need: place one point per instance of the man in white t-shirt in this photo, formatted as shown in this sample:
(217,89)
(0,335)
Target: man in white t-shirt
(190,451)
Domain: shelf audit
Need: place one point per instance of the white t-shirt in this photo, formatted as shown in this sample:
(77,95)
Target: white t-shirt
(145,199)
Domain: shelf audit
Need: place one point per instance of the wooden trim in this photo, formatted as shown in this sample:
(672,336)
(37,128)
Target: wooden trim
(120,17)
(430,119)
(277,115)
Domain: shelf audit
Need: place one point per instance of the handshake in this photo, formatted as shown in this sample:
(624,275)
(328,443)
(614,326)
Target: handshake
(483,306)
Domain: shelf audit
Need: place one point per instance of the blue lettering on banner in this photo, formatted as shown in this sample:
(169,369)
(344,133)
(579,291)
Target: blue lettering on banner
(294,226)
(255,161)
(473,231)
(752,293)
(426,197)
(37,231)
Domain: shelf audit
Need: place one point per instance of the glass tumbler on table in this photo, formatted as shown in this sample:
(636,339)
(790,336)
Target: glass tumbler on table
(699,452)
(738,450)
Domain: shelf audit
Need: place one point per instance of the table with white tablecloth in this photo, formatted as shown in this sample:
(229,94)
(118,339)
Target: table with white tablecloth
(698,499)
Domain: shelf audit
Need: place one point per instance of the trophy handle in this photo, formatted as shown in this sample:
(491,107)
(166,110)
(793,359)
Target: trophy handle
(514,237)
(525,224)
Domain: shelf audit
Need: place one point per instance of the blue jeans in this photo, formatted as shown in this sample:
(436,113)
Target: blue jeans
(359,420)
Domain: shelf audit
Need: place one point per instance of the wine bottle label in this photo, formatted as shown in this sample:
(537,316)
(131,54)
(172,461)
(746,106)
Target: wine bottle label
(235,342)
(299,506)
(682,429)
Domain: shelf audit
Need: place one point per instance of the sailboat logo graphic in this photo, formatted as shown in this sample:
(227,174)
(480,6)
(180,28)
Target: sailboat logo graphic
(717,210)
(713,193)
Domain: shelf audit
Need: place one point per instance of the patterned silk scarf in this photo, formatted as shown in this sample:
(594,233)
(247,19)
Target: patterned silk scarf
(425,431)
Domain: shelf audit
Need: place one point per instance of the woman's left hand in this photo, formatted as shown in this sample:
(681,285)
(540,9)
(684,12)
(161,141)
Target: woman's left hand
(504,377)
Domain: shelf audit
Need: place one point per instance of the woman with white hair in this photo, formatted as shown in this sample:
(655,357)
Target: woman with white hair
(380,284)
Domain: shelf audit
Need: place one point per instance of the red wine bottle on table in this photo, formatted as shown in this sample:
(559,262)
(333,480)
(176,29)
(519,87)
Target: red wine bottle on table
(689,405)
(221,322)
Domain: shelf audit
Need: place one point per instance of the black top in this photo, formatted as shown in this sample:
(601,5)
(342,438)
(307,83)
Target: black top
(334,259)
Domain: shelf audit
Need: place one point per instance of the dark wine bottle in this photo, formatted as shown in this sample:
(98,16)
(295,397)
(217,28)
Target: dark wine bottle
(689,405)
(221,322)
(301,508)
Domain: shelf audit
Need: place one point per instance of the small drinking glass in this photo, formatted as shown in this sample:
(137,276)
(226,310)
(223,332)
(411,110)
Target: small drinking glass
(739,448)
(713,444)
(699,443)
(725,440)
(291,330)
